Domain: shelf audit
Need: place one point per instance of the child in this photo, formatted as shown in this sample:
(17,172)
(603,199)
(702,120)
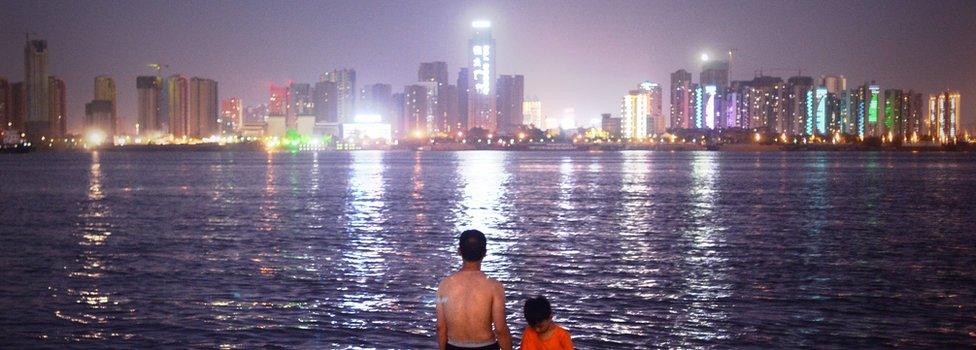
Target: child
(542,333)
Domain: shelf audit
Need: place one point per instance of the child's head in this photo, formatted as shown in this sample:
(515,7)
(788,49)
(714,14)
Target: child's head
(538,313)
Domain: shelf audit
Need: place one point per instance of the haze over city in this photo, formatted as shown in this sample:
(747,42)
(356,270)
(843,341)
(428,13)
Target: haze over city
(578,56)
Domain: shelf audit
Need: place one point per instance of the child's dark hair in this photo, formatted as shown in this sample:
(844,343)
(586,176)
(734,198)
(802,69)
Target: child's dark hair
(537,309)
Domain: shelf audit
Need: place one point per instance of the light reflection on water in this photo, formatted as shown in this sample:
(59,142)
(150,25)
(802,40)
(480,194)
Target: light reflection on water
(344,250)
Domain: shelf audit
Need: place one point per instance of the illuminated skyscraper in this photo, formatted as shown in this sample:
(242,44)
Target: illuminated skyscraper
(399,115)
(278,104)
(894,113)
(105,90)
(681,100)
(532,113)
(58,107)
(377,99)
(799,106)
(610,124)
(448,118)
(656,123)
(711,106)
(463,92)
(99,116)
(944,116)
(417,109)
(150,90)
(38,123)
(345,80)
(873,126)
(481,57)
(833,83)
(765,102)
(915,116)
(299,102)
(326,103)
(231,116)
(818,119)
(640,112)
(509,95)
(178,103)
(204,110)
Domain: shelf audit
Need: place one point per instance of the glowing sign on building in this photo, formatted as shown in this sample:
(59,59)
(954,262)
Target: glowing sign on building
(873,106)
(481,58)
(699,120)
(710,92)
(820,117)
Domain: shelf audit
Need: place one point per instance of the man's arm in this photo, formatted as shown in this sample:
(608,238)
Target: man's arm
(498,318)
(441,322)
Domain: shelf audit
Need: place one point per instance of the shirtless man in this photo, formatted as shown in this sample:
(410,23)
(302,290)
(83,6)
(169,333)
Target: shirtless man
(469,303)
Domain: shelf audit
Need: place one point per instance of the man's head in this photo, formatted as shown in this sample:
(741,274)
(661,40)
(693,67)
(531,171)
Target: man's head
(538,313)
(472,245)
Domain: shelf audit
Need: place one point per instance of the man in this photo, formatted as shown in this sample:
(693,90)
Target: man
(469,303)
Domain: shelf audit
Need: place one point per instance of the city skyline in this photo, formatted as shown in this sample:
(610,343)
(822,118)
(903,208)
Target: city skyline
(82,47)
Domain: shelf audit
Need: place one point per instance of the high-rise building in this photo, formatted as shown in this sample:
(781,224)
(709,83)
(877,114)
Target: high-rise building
(944,116)
(255,114)
(105,90)
(5,101)
(38,123)
(640,112)
(58,107)
(834,83)
(377,99)
(99,116)
(464,92)
(326,103)
(895,113)
(509,95)
(766,98)
(799,106)
(345,80)
(610,124)
(448,118)
(150,91)
(299,103)
(278,105)
(656,121)
(874,127)
(864,111)
(915,116)
(417,109)
(204,110)
(399,115)
(178,105)
(231,116)
(481,59)
(821,106)
(18,106)
(433,72)
(532,113)
(715,73)
(680,100)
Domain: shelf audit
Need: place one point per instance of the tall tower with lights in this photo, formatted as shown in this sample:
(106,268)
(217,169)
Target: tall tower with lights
(481,59)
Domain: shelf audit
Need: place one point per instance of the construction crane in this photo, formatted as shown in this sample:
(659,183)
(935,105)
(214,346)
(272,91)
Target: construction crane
(732,50)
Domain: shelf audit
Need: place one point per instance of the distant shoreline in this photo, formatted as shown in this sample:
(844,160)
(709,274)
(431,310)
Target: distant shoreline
(544,148)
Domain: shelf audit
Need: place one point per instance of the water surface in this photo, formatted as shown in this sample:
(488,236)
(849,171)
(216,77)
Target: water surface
(342,250)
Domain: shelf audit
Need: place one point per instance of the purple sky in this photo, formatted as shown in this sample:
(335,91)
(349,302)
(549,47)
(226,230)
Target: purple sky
(574,54)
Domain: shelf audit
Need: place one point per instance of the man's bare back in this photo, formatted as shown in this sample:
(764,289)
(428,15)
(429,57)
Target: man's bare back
(471,307)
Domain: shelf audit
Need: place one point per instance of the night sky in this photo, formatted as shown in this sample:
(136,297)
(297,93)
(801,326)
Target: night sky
(574,54)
